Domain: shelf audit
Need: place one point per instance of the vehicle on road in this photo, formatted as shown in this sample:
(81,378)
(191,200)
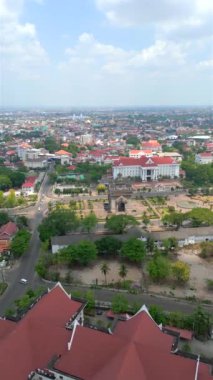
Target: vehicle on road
(23,281)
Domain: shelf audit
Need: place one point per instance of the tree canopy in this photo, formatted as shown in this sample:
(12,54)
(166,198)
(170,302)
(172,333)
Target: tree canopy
(89,222)
(118,223)
(20,243)
(108,246)
(134,250)
(159,268)
(58,222)
(82,253)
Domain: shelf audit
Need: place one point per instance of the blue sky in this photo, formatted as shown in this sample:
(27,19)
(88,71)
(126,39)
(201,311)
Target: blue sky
(106,52)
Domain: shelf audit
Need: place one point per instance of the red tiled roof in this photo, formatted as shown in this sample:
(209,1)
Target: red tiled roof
(137,349)
(184,334)
(71,167)
(144,161)
(205,154)
(29,182)
(39,336)
(8,229)
(63,153)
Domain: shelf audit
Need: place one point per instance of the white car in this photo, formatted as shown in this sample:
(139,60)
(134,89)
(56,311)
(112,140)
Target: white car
(23,281)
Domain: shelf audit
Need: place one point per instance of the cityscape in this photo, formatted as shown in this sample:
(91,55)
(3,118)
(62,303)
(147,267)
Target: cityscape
(106,190)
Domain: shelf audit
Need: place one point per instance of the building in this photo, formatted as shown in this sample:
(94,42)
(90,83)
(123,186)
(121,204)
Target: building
(147,168)
(186,236)
(152,145)
(28,186)
(134,153)
(64,156)
(51,341)
(204,158)
(8,231)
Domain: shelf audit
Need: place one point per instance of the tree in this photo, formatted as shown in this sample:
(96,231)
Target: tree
(159,268)
(118,223)
(89,222)
(2,199)
(5,182)
(108,246)
(90,298)
(51,144)
(206,249)
(134,250)
(201,323)
(170,244)
(105,269)
(150,244)
(123,271)
(181,271)
(101,188)
(133,140)
(11,199)
(4,218)
(119,304)
(21,221)
(20,243)
(58,222)
(157,314)
(173,218)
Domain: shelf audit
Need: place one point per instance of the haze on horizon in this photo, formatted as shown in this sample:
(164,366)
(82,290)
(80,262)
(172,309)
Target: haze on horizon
(105,53)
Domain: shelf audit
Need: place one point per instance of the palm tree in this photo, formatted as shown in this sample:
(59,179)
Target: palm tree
(123,271)
(105,269)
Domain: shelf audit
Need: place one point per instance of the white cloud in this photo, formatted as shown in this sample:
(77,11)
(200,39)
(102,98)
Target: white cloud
(176,19)
(20,48)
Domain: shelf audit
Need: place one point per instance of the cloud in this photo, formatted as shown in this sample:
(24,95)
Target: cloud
(174,19)
(20,49)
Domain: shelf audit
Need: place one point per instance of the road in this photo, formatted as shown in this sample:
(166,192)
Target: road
(25,267)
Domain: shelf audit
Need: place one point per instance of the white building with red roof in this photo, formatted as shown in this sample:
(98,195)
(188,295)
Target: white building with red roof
(51,342)
(204,158)
(147,168)
(28,186)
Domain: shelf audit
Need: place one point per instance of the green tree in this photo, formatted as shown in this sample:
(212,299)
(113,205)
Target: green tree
(20,243)
(58,222)
(5,182)
(133,140)
(105,269)
(134,250)
(51,144)
(119,304)
(90,299)
(170,244)
(118,223)
(2,199)
(181,271)
(157,314)
(89,222)
(123,271)
(11,199)
(202,323)
(4,218)
(108,246)
(150,244)
(159,268)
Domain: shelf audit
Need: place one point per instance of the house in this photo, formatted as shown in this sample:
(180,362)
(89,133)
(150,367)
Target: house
(152,145)
(8,231)
(28,186)
(147,168)
(64,156)
(204,158)
(134,153)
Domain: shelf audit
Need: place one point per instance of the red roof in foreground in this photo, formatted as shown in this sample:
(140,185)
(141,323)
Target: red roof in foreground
(30,181)
(137,349)
(33,341)
(144,161)
(184,334)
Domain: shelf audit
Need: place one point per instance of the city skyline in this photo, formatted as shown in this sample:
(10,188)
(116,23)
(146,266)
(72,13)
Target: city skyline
(105,53)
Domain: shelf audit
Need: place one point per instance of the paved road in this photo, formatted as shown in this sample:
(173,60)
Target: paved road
(166,303)
(25,267)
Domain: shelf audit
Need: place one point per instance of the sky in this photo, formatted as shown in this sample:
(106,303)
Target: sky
(96,53)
